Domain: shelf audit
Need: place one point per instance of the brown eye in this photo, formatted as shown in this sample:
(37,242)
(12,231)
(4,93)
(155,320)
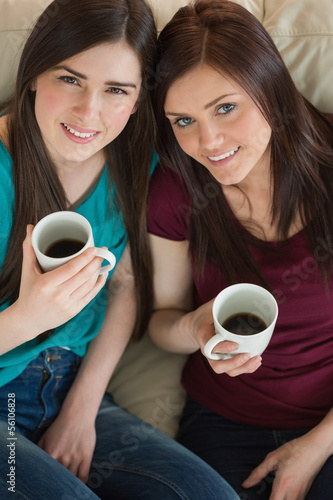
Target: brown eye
(69,79)
(116,90)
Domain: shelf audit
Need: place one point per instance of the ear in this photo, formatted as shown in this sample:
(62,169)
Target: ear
(33,86)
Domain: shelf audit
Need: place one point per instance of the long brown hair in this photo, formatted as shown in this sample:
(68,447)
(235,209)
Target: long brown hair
(66,28)
(230,39)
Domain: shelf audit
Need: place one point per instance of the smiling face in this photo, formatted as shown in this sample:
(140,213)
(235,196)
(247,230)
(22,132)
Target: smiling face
(216,123)
(84,103)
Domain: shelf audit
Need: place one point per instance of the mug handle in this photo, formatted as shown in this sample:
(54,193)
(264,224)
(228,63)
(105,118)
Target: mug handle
(210,346)
(107,255)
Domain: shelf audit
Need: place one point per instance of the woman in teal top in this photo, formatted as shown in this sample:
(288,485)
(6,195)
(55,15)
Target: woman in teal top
(77,136)
(108,231)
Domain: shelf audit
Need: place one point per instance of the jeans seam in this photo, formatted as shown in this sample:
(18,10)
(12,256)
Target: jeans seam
(149,474)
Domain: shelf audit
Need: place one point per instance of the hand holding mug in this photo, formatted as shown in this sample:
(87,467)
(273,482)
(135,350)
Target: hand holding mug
(47,300)
(246,314)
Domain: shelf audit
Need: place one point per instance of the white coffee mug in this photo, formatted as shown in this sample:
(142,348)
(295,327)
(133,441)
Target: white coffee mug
(244,308)
(61,236)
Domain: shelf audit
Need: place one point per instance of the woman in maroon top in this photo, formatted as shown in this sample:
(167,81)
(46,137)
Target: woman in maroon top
(245,195)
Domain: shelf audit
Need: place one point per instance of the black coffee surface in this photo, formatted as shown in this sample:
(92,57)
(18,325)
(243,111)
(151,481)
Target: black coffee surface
(244,324)
(64,248)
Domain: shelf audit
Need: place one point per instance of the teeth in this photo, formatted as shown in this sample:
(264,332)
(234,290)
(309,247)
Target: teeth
(226,155)
(78,134)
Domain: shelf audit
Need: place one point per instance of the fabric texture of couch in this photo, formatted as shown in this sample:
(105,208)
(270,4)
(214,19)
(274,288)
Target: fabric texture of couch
(146,381)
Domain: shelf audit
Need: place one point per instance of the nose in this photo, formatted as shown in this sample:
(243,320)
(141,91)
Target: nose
(87,108)
(211,136)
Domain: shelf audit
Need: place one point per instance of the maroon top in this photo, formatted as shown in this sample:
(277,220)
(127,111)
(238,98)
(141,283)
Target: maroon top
(294,386)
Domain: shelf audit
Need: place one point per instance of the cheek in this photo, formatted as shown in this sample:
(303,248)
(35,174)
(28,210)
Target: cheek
(259,133)
(117,117)
(264,136)
(185,141)
(47,107)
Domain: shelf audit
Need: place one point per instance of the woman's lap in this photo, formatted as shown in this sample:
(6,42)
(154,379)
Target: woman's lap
(131,459)
(40,390)
(138,461)
(234,450)
(27,472)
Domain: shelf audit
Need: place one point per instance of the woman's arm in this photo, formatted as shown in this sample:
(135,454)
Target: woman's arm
(47,300)
(296,463)
(170,325)
(175,326)
(71,438)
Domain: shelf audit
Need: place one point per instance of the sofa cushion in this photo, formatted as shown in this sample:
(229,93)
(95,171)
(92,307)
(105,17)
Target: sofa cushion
(147,383)
(303,32)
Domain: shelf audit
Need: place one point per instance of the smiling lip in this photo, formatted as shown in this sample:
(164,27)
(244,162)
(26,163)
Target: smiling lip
(223,158)
(78,134)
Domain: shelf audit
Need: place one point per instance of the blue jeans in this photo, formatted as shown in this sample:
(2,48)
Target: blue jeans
(132,460)
(234,450)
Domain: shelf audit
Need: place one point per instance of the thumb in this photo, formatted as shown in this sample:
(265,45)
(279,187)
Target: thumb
(29,256)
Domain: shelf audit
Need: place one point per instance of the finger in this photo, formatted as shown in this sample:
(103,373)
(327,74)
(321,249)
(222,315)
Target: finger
(248,367)
(240,363)
(62,459)
(73,467)
(88,290)
(83,471)
(227,365)
(29,257)
(67,271)
(82,301)
(30,228)
(87,276)
(259,473)
(237,365)
(278,494)
(225,347)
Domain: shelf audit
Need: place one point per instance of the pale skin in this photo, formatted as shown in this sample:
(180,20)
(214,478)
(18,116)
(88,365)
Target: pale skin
(211,116)
(94,93)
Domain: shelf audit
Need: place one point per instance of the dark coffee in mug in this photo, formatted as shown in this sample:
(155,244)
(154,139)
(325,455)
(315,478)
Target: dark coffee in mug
(63,248)
(244,324)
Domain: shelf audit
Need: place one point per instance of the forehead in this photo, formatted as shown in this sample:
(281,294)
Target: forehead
(200,85)
(109,60)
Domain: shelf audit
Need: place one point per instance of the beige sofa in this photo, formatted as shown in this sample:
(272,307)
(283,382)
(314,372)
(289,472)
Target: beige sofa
(146,381)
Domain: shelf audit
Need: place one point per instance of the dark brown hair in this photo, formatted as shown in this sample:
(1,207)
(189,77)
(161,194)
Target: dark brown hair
(66,28)
(231,40)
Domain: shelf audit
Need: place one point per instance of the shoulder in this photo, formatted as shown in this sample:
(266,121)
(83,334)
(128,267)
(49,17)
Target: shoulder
(4,130)
(169,205)
(168,184)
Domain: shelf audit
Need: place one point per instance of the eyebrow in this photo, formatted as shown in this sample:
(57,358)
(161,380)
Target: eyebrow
(207,106)
(84,77)
(223,96)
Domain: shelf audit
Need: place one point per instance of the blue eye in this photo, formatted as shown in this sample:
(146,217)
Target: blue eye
(226,108)
(184,122)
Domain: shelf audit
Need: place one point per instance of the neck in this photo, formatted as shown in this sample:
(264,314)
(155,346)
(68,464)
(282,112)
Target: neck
(78,182)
